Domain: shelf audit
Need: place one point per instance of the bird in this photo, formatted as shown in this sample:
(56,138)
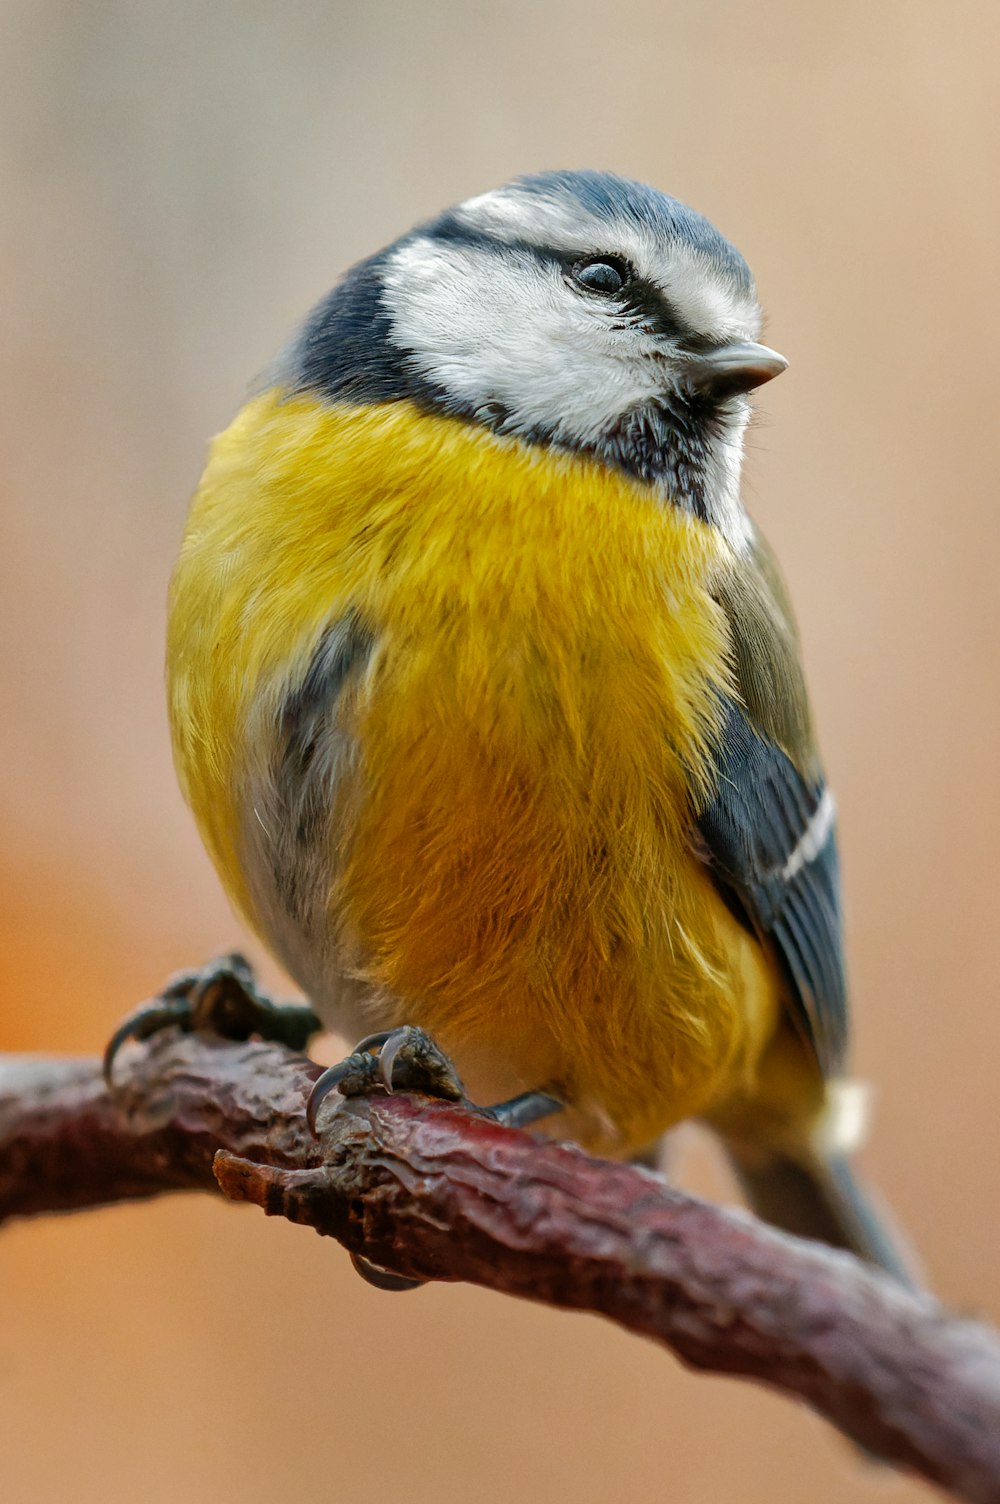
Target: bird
(487,695)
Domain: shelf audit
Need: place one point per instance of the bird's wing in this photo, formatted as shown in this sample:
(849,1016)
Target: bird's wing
(769,827)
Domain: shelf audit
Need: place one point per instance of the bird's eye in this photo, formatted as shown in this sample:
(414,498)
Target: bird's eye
(606,275)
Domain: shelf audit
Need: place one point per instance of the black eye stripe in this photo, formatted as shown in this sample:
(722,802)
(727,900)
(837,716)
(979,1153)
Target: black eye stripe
(638,298)
(644,304)
(647,307)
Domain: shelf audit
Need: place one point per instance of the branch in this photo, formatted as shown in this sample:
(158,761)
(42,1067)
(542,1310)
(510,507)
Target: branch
(433,1191)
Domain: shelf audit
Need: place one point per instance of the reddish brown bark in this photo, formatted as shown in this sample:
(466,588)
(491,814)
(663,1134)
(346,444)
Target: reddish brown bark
(433,1191)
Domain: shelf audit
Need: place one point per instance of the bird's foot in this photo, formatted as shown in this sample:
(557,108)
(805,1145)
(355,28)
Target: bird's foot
(407,1059)
(220,998)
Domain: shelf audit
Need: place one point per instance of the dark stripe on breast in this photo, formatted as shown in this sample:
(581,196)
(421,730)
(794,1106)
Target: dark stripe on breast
(308,710)
(308,759)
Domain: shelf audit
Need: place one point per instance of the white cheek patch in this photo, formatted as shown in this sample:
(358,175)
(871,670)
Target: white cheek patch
(708,301)
(496,326)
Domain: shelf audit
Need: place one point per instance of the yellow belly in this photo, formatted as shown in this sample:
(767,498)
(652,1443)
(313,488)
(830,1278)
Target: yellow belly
(507,855)
(526,892)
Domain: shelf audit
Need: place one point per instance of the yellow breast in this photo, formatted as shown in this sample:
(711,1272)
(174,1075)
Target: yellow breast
(505,850)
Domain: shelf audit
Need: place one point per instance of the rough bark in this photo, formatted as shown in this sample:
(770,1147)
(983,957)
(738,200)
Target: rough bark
(433,1191)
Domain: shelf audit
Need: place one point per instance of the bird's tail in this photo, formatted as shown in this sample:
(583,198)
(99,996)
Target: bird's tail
(819,1196)
(795,1170)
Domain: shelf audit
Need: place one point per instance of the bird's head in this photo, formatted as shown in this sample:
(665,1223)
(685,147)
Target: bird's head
(570,309)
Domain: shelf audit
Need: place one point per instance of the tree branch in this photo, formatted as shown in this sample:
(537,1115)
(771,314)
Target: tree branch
(433,1191)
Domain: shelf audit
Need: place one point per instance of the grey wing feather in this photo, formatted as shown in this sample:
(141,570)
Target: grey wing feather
(769,828)
(770,840)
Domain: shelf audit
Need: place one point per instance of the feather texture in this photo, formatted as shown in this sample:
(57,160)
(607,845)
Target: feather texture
(770,838)
(506,854)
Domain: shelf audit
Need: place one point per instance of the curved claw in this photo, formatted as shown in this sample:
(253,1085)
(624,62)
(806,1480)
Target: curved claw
(387,1056)
(145,1020)
(322,1087)
(373,1041)
(383,1279)
(404,1058)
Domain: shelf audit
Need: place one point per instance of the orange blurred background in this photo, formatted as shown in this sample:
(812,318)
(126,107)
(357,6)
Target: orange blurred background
(179,183)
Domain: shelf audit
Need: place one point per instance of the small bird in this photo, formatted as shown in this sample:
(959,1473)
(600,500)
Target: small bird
(487,695)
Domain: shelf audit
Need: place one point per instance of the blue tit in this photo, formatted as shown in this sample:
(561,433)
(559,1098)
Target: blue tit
(488,699)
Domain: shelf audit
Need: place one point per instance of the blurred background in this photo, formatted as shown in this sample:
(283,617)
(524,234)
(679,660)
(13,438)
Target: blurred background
(179,183)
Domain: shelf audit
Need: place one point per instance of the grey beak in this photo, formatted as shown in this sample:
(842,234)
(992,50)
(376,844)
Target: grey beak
(731,369)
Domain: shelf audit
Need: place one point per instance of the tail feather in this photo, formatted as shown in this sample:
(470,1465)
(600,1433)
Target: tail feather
(822,1199)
